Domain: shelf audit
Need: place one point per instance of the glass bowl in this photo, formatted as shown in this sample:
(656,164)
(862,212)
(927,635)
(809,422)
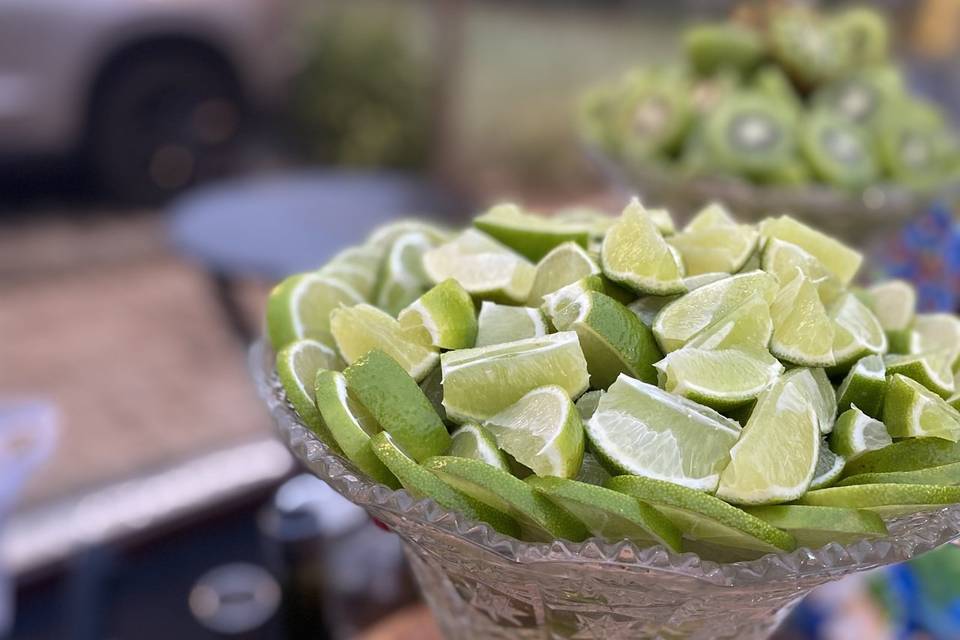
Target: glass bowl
(481,584)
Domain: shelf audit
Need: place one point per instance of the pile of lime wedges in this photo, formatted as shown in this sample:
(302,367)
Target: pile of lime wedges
(723,388)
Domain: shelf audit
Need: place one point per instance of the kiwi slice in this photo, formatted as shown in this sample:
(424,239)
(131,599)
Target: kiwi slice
(861,97)
(711,47)
(912,143)
(836,150)
(750,134)
(654,114)
(807,48)
(707,93)
(865,34)
(597,109)
(772,82)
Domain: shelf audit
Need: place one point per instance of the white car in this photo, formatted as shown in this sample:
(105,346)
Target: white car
(151,93)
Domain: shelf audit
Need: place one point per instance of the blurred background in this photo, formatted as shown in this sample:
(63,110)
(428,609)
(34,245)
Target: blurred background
(162,162)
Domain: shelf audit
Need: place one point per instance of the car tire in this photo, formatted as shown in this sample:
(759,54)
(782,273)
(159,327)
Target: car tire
(161,122)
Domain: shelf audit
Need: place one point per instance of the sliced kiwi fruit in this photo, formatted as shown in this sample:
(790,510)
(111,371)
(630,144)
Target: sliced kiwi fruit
(865,34)
(653,115)
(837,150)
(772,82)
(911,144)
(750,134)
(712,47)
(862,96)
(597,109)
(707,93)
(807,49)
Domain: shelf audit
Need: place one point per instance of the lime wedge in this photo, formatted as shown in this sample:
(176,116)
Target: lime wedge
(529,234)
(841,260)
(300,306)
(748,327)
(641,429)
(721,379)
(906,455)
(397,404)
(954,401)
(663,221)
(776,456)
(351,425)
(910,410)
(432,387)
(540,520)
(613,339)
(363,328)
(944,475)
(483,266)
(564,265)
(718,247)
(704,518)
(803,333)
(591,471)
(297,366)
(587,403)
(829,468)
(499,323)
(687,316)
(383,236)
(421,483)
(864,386)
(857,332)
(894,302)
(475,442)
(936,332)
(931,369)
(814,527)
(857,433)
(825,403)
(610,514)
(886,500)
(542,431)
(402,278)
(554,302)
(596,220)
(782,259)
(443,317)
(710,216)
(647,307)
(481,382)
(635,255)
(357,267)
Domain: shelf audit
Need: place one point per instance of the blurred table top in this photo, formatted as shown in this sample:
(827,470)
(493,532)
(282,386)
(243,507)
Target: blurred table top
(412,623)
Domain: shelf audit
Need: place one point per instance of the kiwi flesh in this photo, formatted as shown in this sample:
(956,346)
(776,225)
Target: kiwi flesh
(807,49)
(750,134)
(861,97)
(837,151)
(865,34)
(713,47)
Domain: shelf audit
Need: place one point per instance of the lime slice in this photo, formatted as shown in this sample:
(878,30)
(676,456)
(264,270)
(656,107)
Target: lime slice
(397,404)
(894,302)
(910,410)
(481,382)
(475,442)
(803,333)
(357,267)
(864,386)
(936,332)
(886,500)
(499,323)
(814,527)
(641,429)
(647,307)
(613,339)
(747,327)
(297,366)
(712,215)
(954,401)
(596,220)
(906,455)
(443,317)
(610,514)
(944,475)
(383,236)
(554,302)
(782,259)
(363,328)
(564,265)
(351,425)
(529,234)
(721,247)
(663,221)
(825,403)
(721,379)
(542,431)
(856,332)
(540,520)
(587,404)
(421,483)
(483,266)
(687,316)
(402,278)
(300,306)
(842,261)
(591,471)
(432,387)
(776,456)
(829,468)
(704,518)
(635,255)
(931,369)
(857,433)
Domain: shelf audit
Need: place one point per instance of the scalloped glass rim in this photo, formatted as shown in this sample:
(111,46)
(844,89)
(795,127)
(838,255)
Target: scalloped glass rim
(909,535)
